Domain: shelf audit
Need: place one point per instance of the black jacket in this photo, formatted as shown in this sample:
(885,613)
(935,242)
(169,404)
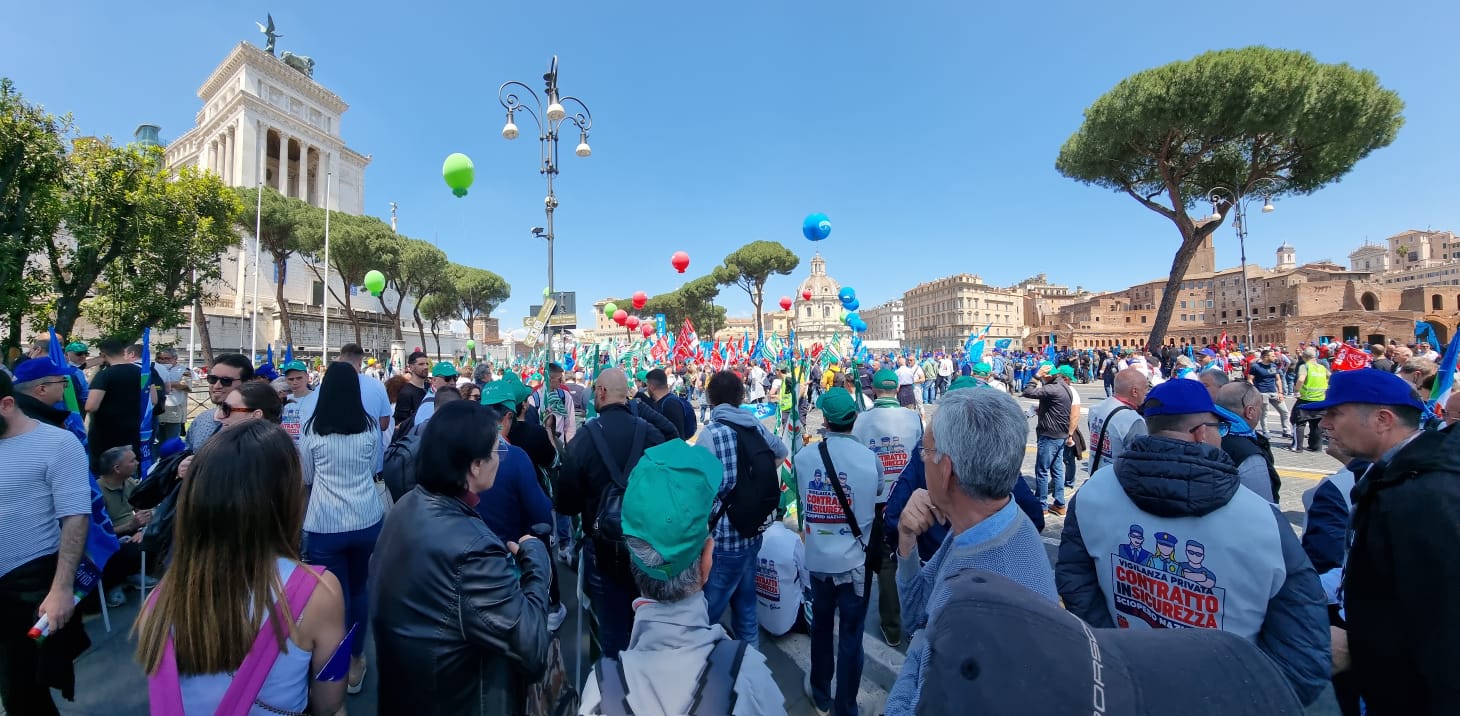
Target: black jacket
(1402,586)
(1052,417)
(583,477)
(1241,447)
(36,410)
(533,438)
(457,631)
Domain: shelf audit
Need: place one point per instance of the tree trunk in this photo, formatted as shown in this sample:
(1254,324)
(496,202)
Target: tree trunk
(280,262)
(757,299)
(200,325)
(354,319)
(67,311)
(12,339)
(436,336)
(471,335)
(421,328)
(1169,295)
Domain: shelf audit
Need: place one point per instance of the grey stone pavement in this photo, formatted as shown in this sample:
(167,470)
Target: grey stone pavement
(109,682)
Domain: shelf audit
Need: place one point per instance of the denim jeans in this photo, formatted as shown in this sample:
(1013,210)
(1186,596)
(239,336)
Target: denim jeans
(827,600)
(1109,386)
(930,391)
(1072,467)
(612,605)
(1049,469)
(347,554)
(732,584)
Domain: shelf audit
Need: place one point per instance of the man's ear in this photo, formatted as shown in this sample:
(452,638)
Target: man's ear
(707,560)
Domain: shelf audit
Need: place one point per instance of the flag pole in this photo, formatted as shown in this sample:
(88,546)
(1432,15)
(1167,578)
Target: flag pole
(324,341)
(193,324)
(253,322)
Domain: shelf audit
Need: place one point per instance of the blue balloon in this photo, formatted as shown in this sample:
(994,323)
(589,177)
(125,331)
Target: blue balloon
(853,318)
(846,295)
(853,304)
(816,226)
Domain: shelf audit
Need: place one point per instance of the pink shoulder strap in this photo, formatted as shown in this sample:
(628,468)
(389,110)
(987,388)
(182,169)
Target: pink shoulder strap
(164,689)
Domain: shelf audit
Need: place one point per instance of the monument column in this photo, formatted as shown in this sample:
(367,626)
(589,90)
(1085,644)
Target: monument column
(283,163)
(227,143)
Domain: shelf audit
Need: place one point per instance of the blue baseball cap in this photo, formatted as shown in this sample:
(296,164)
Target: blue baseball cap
(1180,397)
(1209,352)
(1367,385)
(38,368)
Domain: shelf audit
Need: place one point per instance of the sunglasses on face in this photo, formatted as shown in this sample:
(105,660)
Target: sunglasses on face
(217,379)
(1221,428)
(227,410)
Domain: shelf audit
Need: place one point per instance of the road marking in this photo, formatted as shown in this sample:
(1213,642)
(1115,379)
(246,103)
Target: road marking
(871,698)
(1294,472)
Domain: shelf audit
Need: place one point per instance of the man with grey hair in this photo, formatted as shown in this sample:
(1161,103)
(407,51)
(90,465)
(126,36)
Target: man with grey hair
(676,659)
(1213,380)
(176,385)
(1250,449)
(972,451)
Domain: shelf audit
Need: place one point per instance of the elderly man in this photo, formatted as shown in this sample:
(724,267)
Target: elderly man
(1116,421)
(1311,385)
(177,382)
(676,659)
(1247,447)
(599,460)
(1213,380)
(972,451)
(1401,587)
(1225,558)
(1400,355)
(227,370)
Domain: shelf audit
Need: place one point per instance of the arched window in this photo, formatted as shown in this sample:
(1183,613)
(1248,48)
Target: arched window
(1437,303)
(826,311)
(1369,301)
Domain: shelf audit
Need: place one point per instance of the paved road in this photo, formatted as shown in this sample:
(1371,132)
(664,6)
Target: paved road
(110,683)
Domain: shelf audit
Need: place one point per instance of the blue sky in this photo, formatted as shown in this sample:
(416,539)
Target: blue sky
(926,131)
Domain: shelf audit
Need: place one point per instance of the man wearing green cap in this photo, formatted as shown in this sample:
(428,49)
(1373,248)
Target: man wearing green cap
(76,355)
(1054,430)
(443,374)
(676,658)
(892,433)
(839,481)
(296,374)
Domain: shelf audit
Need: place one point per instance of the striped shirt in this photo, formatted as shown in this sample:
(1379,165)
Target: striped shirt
(341,472)
(44,479)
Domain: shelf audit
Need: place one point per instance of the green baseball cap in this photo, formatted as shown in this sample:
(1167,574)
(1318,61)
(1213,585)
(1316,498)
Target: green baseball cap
(837,406)
(884,379)
(77,347)
(667,504)
(964,381)
(443,370)
(982,368)
(295,365)
(500,392)
(520,391)
(1064,370)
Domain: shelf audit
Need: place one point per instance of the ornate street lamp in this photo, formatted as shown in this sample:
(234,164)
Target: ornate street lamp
(549,122)
(1221,198)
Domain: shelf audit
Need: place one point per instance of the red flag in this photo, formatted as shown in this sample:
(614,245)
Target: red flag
(1222,344)
(660,349)
(1349,358)
(816,349)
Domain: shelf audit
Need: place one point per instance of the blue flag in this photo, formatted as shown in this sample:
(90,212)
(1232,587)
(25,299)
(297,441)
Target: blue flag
(101,538)
(288,353)
(1003,343)
(1445,378)
(144,461)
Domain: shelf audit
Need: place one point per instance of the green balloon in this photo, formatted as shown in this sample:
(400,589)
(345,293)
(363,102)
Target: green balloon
(458,172)
(375,282)
(546,292)
(610,308)
(471,345)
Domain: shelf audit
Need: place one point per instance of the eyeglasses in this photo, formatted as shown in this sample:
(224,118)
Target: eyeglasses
(1221,428)
(225,381)
(227,410)
(55,382)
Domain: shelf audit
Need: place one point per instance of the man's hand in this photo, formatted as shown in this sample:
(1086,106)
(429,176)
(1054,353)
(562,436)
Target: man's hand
(57,607)
(1043,371)
(918,516)
(142,517)
(1070,441)
(1341,659)
(182,467)
(514,546)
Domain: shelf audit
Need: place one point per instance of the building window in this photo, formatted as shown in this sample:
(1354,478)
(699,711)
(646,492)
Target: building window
(316,293)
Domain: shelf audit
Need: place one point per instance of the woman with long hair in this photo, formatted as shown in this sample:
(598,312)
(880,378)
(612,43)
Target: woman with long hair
(253,400)
(460,625)
(238,620)
(338,449)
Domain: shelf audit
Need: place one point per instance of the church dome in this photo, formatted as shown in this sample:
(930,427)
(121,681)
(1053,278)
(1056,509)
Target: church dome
(821,285)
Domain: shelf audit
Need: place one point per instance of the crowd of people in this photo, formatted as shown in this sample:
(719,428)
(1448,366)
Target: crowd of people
(443,510)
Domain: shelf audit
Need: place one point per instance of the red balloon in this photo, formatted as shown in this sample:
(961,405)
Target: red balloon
(632,322)
(640,298)
(785,303)
(680,261)
(806,294)
(647,329)
(620,316)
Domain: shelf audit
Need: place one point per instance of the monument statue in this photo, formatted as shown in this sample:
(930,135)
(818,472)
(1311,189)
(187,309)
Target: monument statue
(269,33)
(305,65)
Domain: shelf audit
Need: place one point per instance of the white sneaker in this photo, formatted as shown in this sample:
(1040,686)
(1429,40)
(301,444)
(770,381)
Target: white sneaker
(555,619)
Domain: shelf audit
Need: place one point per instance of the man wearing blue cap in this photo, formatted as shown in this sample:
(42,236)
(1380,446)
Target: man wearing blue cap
(1401,587)
(1225,558)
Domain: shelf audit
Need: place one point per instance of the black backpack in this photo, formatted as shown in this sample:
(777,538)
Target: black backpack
(757,491)
(399,472)
(688,425)
(714,690)
(609,549)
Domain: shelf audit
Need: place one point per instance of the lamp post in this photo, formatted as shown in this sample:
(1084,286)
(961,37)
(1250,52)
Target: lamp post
(1223,197)
(549,121)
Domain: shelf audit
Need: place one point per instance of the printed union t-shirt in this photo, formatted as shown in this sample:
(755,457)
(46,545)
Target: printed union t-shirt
(831,548)
(779,583)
